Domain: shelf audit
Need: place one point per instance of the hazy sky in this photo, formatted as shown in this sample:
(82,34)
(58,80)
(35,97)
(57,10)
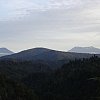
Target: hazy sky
(56,24)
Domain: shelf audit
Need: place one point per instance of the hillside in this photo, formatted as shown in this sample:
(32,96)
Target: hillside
(5,51)
(12,90)
(77,80)
(54,59)
(90,50)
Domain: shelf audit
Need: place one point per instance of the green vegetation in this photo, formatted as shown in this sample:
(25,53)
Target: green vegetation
(11,90)
(76,80)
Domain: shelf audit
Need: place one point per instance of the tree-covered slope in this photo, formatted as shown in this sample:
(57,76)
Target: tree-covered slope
(54,59)
(11,90)
(77,80)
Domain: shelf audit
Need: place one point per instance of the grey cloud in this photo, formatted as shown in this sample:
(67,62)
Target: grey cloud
(52,27)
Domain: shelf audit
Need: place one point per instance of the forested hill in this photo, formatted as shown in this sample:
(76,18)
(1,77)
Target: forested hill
(51,58)
(76,80)
(12,90)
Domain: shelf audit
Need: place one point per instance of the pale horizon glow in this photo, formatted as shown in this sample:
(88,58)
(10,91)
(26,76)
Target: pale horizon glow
(54,24)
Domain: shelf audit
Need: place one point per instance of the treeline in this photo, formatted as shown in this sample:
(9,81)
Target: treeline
(18,69)
(76,80)
(11,90)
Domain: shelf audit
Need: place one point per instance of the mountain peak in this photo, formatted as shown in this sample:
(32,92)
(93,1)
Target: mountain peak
(40,48)
(36,50)
(91,50)
(4,51)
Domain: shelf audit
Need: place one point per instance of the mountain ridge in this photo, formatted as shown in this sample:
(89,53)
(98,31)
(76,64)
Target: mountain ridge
(46,56)
(5,51)
(34,52)
(90,50)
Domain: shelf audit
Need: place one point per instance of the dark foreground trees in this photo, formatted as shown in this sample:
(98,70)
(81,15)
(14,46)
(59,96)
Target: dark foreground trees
(76,80)
(11,90)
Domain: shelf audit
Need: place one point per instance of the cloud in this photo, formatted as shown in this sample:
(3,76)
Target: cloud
(51,23)
(16,8)
(13,9)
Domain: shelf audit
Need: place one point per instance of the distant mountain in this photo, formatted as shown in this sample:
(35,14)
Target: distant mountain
(45,54)
(51,58)
(5,51)
(91,50)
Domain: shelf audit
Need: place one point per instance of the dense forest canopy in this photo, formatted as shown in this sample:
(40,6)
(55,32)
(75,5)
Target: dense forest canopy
(76,80)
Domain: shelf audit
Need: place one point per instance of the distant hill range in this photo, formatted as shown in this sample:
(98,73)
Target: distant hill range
(47,57)
(5,51)
(91,50)
(36,69)
(45,54)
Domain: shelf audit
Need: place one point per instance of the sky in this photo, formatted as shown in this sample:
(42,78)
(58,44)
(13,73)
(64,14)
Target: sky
(55,24)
